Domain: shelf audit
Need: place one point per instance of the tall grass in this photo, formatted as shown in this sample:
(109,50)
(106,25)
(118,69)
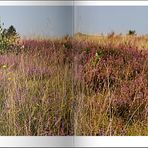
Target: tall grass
(85,85)
(114,75)
(35,91)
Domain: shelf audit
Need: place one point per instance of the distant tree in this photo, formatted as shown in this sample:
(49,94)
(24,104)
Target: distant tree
(8,38)
(131,32)
(11,31)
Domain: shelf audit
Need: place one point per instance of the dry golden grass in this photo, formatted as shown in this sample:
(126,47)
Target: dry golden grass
(48,88)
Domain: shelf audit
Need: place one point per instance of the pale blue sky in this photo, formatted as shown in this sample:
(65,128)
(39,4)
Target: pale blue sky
(57,20)
(105,19)
(38,20)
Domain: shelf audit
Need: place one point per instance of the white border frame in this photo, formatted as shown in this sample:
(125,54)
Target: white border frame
(36,3)
(69,141)
(36,141)
(111,3)
(75,2)
(111,141)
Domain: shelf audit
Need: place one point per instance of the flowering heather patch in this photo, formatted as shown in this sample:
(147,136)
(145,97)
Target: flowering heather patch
(35,90)
(75,86)
(119,73)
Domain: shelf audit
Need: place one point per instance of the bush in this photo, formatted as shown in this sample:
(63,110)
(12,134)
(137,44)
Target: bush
(131,32)
(8,39)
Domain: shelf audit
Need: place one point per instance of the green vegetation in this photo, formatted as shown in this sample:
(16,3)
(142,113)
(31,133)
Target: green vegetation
(80,85)
(131,32)
(8,39)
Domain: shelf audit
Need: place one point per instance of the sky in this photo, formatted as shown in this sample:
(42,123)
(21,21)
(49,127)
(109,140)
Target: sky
(106,19)
(38,20)
(57,20)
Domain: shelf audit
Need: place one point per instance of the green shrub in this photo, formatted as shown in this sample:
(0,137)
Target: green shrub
(131,32)
(8,39)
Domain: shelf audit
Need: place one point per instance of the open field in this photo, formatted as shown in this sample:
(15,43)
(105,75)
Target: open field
(35,90)
(114,80)
(81,85)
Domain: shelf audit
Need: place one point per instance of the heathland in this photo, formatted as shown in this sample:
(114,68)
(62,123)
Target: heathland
(80,85)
